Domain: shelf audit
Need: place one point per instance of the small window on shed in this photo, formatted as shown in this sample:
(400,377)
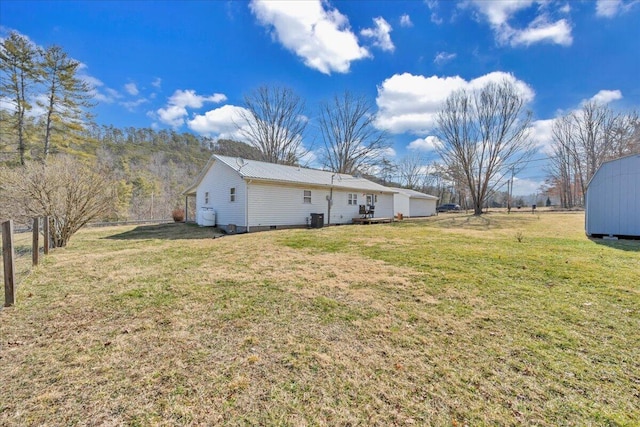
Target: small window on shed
(206,198)
(307,196)
(352,199)
(232,194)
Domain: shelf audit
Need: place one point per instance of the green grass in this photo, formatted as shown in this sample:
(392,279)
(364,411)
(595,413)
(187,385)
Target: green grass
(455,320)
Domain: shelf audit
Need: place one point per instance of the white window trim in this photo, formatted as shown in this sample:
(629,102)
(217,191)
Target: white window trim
(306,199)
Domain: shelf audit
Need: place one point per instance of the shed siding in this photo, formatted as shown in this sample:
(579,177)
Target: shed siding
(613,199)
(218,181)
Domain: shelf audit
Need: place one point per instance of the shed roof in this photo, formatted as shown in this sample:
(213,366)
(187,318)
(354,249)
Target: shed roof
(264,171)
(608,163)
(413,193)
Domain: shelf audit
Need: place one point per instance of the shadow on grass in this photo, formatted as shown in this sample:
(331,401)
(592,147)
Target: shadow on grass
(170,231)
(486,221)
(630,245)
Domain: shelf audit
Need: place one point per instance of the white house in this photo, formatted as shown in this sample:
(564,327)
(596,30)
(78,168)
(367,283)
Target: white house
(248,195)
(613,199)
(411,203)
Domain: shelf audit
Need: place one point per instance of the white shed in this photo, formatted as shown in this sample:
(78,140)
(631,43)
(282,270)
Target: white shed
(613,199)
(411,203)
(248,195)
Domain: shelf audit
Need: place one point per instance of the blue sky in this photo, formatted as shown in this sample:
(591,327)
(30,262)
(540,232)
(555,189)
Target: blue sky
(187,64)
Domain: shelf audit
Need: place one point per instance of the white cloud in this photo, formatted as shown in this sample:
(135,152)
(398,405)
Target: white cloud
(380,34)
(410,103)
(131,89)
(172,115)
(607,8)
(542,134)
(444,57)
(540,30)
(499,13)
(611,8)
(405,21)
(189,98)
(525,187)
(606,96)
(96,87)
(157,83)
(176,110)
(430,143)
(433,7)
(220,122)
(131,105)
(321,37)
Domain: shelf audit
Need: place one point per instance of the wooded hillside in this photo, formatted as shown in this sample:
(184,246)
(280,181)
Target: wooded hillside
(151,167)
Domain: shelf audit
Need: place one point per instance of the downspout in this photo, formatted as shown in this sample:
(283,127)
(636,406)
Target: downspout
(330,202)
(246,204)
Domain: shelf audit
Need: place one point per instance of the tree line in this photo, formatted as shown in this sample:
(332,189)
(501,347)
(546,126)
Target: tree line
(582,141)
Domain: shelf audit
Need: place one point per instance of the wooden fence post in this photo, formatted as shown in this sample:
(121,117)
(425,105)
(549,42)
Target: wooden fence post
(35,247)
(45,231)
(9,265)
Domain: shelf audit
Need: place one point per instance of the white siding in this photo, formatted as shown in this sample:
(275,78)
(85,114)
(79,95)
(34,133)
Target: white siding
(402,204)
(278,205)
(384,205)
(613,199)
(218,181)
(422,207)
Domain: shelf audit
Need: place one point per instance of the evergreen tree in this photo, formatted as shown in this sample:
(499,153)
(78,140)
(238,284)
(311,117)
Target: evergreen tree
(67,97)
(17,78)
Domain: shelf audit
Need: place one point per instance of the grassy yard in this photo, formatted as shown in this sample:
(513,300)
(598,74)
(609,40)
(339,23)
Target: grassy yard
(455,320)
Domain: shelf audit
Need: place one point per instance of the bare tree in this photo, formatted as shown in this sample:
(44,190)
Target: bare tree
(411,170)
(69,192)
(563,165)
(483,134)
(625,135)
(351,141)
(17,71)
(273,122)
(583,140)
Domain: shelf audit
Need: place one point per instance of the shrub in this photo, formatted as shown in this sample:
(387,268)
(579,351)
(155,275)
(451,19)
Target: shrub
(178,215)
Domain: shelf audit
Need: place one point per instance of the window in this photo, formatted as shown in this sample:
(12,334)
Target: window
(307,196)
(206,198)
(232,194)
(352,199)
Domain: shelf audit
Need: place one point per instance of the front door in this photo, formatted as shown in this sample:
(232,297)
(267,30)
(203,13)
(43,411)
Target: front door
(372,199)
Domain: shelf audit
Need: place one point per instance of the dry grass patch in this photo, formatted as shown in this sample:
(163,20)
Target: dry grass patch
(420,323)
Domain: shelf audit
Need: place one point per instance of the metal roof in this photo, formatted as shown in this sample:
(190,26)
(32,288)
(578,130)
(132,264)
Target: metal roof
(263,171)
(413,193)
